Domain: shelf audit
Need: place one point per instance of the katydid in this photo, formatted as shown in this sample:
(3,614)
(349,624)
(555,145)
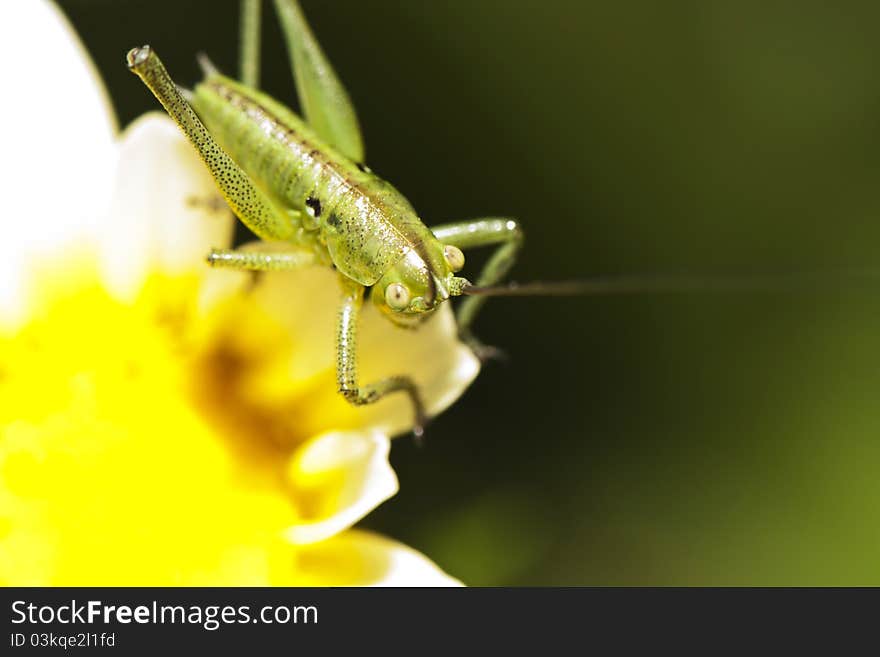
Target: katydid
(301,186)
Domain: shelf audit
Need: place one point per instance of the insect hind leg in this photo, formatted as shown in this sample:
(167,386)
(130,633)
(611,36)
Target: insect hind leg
(249,43)
(249,203)
(325,103)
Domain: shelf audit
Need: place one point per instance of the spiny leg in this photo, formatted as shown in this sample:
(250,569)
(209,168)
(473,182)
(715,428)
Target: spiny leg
(249,45)
(346,362)
(475,233)
(325,102)
(251,205)
(261,256)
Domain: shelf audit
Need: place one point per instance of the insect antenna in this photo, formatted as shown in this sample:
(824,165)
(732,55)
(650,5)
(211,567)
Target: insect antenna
(803,281)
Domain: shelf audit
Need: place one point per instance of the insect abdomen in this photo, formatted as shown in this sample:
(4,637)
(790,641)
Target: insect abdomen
(365,225)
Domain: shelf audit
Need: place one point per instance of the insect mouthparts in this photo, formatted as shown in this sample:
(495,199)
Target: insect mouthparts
(442,292)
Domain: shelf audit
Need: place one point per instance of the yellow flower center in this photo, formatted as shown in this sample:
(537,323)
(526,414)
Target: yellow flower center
(111,470)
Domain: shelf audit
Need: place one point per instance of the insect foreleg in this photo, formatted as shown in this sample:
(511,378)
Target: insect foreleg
(249,43)
(253,207)
(261,256)
(346,362)
(475,233)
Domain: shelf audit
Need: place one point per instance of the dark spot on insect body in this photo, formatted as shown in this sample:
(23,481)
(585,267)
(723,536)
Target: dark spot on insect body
(333,221)
(313,206)
(363,167)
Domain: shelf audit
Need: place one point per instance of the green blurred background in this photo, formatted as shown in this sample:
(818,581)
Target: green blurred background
(646,440)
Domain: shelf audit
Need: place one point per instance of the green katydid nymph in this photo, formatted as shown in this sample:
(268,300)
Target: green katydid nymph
(301,186)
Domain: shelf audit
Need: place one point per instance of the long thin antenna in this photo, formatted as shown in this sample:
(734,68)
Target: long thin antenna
(666,284)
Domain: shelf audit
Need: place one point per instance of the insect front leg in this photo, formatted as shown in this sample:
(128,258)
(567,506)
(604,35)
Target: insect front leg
(346,362)
(504,232)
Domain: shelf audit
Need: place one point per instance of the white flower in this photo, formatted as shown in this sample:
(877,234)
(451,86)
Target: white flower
(164,423)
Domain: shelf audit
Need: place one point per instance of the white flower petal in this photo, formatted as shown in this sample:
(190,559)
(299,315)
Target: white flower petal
(166,212)
(307,302)
(337,479)
(440,364)
(361,558)
(58,143)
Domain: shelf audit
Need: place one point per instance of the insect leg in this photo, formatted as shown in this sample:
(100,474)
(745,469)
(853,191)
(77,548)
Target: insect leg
(253,207)
(475,233)
(261,256)
(346,362)
(249,62)
(325,102)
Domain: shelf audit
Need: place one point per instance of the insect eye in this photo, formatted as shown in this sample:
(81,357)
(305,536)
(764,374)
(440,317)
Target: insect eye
(397,296)
(454,257)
